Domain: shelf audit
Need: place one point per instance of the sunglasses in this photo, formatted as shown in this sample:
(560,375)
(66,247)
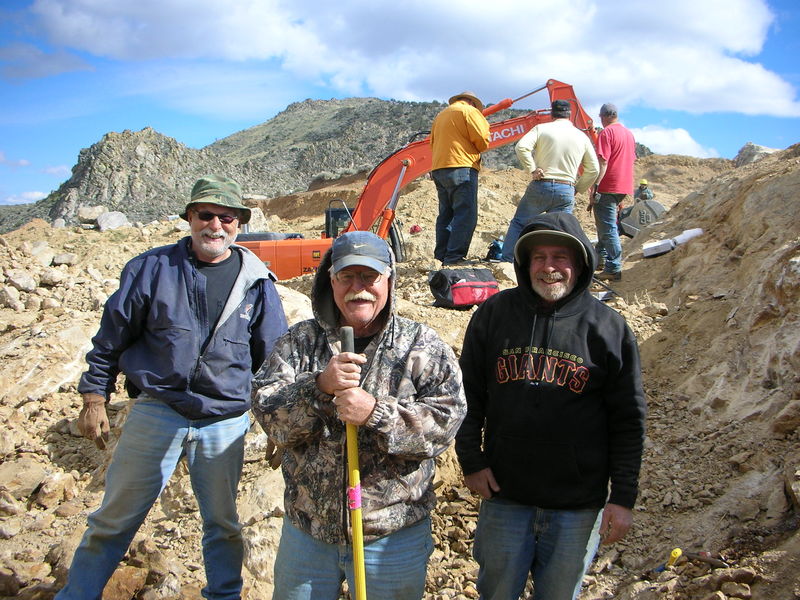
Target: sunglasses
(366,277)
(207,215)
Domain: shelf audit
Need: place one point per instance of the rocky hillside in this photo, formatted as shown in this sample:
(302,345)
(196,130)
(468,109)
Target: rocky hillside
(143,173)
(325,139)
(148,175)
(717,324)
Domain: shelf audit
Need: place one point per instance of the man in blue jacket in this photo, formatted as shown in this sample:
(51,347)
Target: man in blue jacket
(188,327)
(555,413)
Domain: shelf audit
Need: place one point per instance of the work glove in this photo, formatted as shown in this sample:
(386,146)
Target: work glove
(93,420)
(274,455)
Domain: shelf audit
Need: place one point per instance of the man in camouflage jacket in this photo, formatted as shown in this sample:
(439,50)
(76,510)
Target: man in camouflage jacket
(402,387)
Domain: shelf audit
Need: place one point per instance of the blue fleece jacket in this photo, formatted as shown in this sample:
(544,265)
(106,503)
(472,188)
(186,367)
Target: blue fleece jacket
(155,325)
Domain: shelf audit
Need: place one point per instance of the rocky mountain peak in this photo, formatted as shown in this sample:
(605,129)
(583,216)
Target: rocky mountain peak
(750,153)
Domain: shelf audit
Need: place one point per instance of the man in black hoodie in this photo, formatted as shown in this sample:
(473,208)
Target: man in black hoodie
(555,413)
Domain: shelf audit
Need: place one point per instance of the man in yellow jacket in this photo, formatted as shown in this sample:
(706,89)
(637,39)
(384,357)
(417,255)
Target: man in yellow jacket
(458,136)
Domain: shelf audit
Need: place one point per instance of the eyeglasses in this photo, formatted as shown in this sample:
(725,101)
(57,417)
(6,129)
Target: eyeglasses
(207,215)
(349,277)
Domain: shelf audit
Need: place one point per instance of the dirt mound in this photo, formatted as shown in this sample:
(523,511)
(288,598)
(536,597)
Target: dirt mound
(716,320)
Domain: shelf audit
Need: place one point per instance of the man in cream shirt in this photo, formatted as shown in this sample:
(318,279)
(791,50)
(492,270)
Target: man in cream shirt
(552,153)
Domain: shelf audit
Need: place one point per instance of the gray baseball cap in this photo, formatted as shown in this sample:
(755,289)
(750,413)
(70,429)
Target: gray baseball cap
(362,248)
(608,109)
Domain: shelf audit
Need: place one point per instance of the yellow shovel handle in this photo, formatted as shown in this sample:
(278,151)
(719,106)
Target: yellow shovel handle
(354,504)
(354,490)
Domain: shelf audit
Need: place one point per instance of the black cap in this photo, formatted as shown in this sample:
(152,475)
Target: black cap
(560,108)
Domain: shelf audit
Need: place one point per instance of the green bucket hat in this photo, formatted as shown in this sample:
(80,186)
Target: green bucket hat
(221,191)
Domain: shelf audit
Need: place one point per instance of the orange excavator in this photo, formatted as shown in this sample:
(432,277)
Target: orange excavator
(291,256)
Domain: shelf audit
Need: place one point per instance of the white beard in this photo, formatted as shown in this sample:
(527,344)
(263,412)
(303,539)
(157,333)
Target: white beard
(214,250)
(552,292)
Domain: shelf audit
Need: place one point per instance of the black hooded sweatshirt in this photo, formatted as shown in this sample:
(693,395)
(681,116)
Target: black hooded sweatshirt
(555,405)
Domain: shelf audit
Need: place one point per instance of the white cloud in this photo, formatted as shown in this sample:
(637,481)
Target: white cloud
(58,171)
(671,141)
(26,61)
(687,55)
(148,29)
(23,198)
(21,162)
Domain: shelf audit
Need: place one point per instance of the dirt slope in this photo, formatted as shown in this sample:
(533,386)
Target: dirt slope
(716,320)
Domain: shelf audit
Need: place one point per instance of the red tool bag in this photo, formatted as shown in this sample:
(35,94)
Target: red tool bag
(461,288)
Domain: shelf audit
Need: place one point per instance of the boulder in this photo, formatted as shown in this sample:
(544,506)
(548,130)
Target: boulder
(51,277)
(22,476)
(258,222)
(9,584)
(21,279)
(9,297)
(42,253)
(125,583)
(89,214)
(65,258)
(10,527)
(296,305)
(56,488)
(112,220)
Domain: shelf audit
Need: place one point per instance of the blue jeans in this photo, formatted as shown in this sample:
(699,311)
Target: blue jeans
(605,220)
(540,197)
(457,188)
(395,565)
(153,440)
(555,546)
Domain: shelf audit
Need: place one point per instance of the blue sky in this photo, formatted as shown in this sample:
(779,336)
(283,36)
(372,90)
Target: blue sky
(694,77)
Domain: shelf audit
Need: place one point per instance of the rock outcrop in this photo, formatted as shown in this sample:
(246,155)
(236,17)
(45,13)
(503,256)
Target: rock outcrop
(750,153)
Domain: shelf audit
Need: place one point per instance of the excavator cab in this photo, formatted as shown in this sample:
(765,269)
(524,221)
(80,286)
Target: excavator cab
(337,219)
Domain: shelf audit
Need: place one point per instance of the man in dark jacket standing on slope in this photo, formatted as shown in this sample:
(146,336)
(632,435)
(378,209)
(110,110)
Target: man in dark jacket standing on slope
(555,411)
(188,326)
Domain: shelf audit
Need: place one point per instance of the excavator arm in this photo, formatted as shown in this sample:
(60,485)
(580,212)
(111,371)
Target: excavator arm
(376,205)
(414,160)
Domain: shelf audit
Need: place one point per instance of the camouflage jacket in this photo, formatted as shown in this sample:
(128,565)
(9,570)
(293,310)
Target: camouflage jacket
(416,380)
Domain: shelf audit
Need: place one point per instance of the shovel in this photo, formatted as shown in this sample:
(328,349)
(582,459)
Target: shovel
(354,490)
